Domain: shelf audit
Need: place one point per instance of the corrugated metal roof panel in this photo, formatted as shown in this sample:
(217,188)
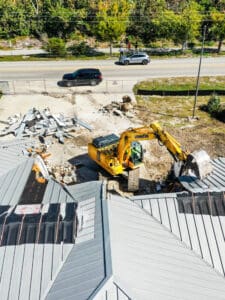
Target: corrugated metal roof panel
(197,220)
(86,211)
(55,193)
(27,269)
(214,182)
(12,184)
(151,260)
(11,154)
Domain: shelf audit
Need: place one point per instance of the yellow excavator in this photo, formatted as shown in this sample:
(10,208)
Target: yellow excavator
(124,155)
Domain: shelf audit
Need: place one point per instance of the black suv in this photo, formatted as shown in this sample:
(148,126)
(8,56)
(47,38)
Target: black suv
(83,77)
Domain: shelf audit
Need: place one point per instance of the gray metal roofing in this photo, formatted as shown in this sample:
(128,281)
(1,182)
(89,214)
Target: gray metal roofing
(61,271)
(152,262)
(196,220)
(27,270)
(11,154)
(152,255)
(13,182)
(38,265)
(214,182)
(88,264)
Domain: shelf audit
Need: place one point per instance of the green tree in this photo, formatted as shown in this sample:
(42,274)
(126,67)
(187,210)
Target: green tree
(32,9)
(61,20)
(56,47)
(218,27)
(13,21)
(187,24)
(164,24)
(111,20)
(143,20)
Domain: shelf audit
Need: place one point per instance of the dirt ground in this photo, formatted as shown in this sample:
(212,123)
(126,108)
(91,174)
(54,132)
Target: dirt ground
(88,108)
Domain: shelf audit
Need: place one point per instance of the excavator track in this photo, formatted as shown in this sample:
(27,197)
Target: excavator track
(133,180)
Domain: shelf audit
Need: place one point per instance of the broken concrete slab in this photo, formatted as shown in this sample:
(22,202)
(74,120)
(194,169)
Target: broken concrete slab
(42,123)
(121,109)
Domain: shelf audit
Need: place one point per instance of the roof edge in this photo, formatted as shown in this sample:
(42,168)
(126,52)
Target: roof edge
(107,247)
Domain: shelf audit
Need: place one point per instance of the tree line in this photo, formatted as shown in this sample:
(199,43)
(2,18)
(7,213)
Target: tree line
(142,21)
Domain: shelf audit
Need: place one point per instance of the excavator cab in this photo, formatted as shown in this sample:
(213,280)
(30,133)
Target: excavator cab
(136,156)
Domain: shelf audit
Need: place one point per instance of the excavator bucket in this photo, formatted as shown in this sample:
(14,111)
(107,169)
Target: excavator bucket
(198,164)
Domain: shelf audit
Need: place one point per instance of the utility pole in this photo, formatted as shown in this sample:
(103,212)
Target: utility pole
(199,69)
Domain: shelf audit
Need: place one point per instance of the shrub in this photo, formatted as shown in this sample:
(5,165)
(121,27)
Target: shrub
(80,49)
(214,108)
(56,47)
(213,105)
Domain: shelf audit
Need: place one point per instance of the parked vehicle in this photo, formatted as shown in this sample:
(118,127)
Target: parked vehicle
(89,76)
(135,58)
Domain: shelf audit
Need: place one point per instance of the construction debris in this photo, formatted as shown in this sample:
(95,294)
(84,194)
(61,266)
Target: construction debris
(124,108)
(42,123)
(126,99)
(63,173)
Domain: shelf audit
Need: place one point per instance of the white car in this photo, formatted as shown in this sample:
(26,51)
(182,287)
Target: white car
(135,58)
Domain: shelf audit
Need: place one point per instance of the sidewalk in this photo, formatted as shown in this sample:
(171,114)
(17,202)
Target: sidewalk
(21,52)
(41,51)
(34,51)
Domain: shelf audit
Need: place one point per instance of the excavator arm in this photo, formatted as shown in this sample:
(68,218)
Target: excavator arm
(154,131)
(197,164)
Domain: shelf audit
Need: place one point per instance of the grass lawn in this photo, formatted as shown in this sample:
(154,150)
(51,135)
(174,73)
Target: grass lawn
(182,84)
(175,113)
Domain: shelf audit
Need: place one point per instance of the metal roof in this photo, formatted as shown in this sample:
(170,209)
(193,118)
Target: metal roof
(53,270)
(214,182)
(196,220)
(43,268)
(152,262)
(88,266)
(11,154)
(164,246)
(13,182)
(39,263)
(27,269)
(12,185)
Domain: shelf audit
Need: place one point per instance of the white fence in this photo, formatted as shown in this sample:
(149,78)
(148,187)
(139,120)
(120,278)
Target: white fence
(50,86)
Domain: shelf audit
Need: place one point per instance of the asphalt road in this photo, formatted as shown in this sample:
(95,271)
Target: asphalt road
(53,70)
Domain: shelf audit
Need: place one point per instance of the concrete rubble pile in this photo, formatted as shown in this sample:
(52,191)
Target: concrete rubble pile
(65,173)
(124,108)
(42,123)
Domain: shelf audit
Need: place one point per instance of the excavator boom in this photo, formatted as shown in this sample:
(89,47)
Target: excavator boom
(154,131)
